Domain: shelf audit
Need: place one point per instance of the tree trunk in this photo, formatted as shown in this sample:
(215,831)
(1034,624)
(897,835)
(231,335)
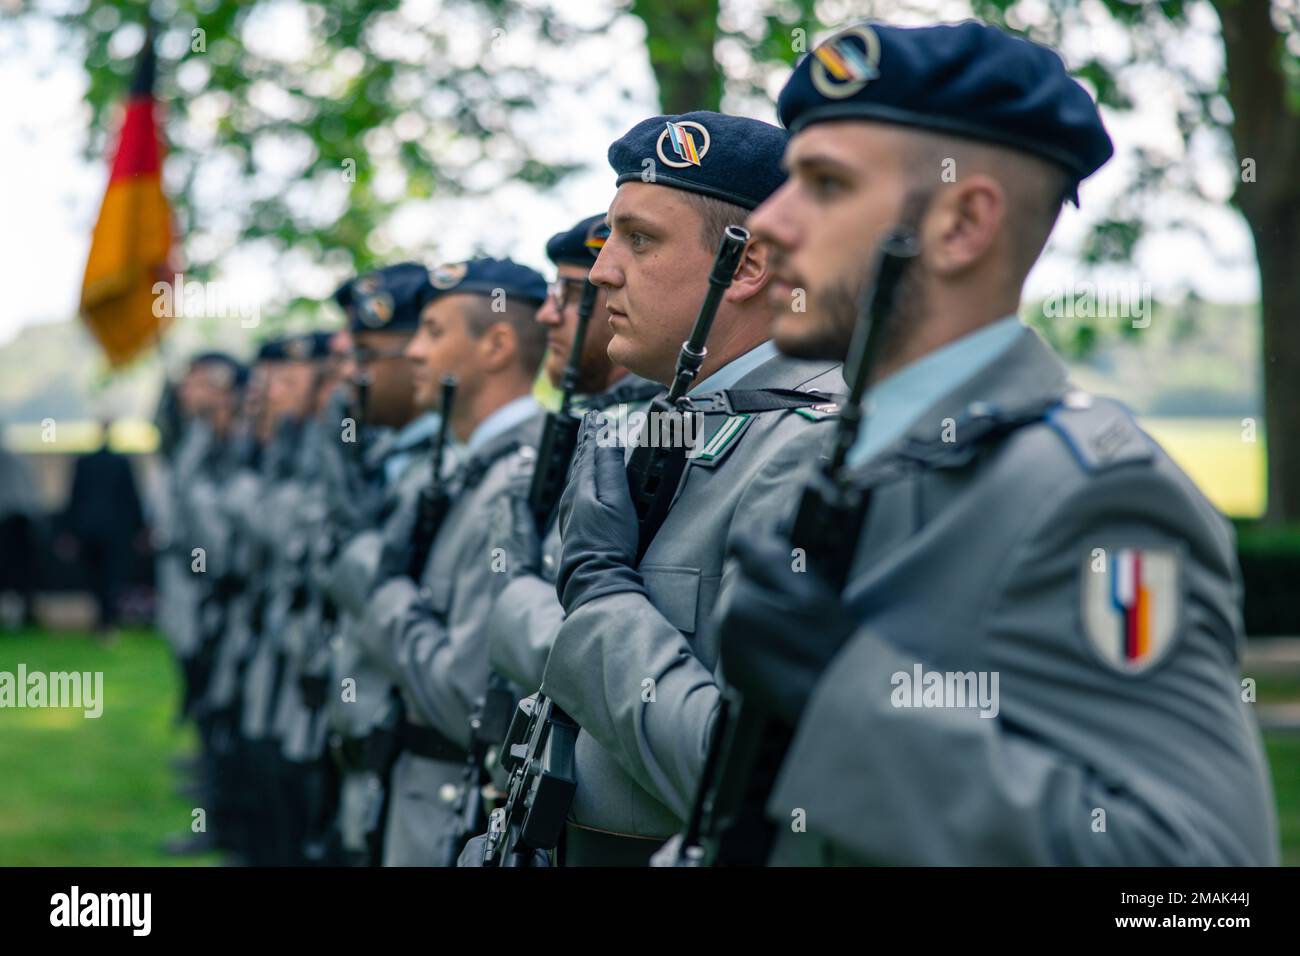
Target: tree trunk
(1266,131)
(679,38)
(1277,247)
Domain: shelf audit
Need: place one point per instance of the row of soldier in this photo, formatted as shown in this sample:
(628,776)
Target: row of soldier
(424,621)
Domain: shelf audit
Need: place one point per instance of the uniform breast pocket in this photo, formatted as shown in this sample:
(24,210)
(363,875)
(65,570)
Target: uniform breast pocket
(676,593)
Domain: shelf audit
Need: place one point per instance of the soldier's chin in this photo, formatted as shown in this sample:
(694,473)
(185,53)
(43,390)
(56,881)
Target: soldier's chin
(624,352)
(799,335)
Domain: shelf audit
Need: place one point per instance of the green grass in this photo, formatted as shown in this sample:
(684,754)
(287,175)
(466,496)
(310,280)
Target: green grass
(92,792)
(82,792)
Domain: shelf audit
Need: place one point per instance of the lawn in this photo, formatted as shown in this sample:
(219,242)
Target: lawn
(1216,453)
(94,792)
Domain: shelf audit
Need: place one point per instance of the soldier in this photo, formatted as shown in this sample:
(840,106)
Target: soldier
(1025,537)
(191,563)
(367,480)
(427,621)
(526,612)
(631,662)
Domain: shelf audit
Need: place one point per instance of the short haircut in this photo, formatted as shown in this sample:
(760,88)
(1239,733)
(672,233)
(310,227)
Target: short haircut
(519,314)
(715,216)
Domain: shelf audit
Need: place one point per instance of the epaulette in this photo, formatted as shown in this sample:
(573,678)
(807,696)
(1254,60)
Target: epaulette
(1100,432)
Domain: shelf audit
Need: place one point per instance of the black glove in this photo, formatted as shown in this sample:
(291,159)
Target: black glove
(515,532)
(398,530)
(780,629)
(598,528)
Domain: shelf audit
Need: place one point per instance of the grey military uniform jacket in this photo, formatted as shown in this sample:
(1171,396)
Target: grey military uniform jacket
(527,613)
(1016,557)
(186,525)
(637,672)
(433,640)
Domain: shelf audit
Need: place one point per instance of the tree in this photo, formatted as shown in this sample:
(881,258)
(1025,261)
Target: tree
(316,151)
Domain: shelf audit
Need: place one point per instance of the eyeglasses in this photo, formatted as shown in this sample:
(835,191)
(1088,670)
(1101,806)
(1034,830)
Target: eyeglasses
(559,290)
(364,356)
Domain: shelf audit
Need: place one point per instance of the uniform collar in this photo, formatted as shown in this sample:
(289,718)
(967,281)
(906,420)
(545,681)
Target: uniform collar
(736,369)
(417,430)
(499,422)
(1007,369)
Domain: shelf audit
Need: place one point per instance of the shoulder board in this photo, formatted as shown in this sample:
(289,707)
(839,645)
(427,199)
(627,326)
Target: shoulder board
(1101,433)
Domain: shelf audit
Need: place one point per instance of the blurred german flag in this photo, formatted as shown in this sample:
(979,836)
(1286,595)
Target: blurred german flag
(131,247)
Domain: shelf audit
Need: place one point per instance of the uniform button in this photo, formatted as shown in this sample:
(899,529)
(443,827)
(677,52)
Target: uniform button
(548,562)
(447,792)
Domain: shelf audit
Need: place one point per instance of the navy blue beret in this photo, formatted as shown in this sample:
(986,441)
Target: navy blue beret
(237,372)
(386,300)
(732,158)
(485,277)
(308,347)
(272,350)
(580,245)
(968,79)
(213,358)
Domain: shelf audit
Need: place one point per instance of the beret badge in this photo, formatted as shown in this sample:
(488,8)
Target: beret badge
(448,275)
(846,62)
(689,150)
(596,237)
(376,310)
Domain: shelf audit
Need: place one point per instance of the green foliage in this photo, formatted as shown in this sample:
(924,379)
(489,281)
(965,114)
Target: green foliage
(302,151)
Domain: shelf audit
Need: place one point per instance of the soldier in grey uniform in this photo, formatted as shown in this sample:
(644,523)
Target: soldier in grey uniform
(431,631)
(631,662)
(1036,658)
(191,564)
(367,480)
(526,612)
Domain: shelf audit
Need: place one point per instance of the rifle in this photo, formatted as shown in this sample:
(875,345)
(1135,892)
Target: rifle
(654,473)
(435,499)
(560,433)
(487,727)
(746,753)
(361,383)
(538,753)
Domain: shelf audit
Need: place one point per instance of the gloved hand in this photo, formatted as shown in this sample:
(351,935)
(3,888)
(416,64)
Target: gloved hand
(598,530)
(398,530)
(780,629)
(515,532)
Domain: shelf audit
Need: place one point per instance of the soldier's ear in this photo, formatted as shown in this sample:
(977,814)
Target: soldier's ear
(963,224)
(752,274)
(498,346)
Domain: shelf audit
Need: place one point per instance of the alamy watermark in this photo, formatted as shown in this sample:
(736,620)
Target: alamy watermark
(82,690)
(671,429)
(1087,300)
(216,300)
(931,689)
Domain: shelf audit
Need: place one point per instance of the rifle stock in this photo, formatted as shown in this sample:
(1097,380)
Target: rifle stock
(434,500)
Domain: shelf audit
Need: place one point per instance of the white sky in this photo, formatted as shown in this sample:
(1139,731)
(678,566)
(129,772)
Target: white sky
(49,196)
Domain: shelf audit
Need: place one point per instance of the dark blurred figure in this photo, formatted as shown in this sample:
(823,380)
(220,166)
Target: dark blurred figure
(106,525)
(21,521)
